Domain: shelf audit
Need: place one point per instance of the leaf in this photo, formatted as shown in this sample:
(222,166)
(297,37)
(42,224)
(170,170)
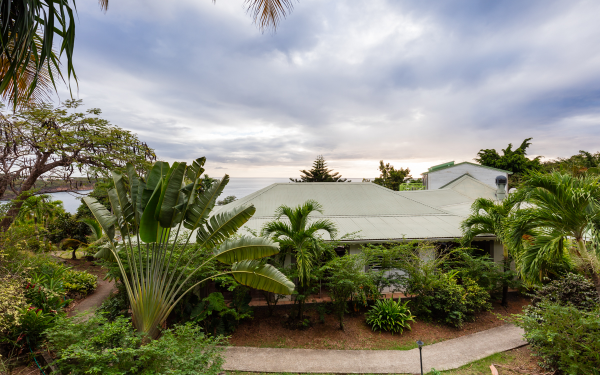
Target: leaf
(124,201)
(199,209)
(156,174)
(238,249)
(134,190)
(102,215)
(94,227)
(104,252)
(170,196)
(148,223)
(223,225)
(261,276)
(195,170)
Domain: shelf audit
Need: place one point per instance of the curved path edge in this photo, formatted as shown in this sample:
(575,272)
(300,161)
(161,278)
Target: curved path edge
(446,355)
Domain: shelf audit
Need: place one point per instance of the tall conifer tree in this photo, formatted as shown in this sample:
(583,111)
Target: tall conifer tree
(319,173)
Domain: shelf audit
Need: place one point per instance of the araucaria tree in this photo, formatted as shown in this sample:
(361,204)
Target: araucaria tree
(300,234)
(319,173)
(563,218)
(152,214)
(390,177)
(492,217)
(42,141)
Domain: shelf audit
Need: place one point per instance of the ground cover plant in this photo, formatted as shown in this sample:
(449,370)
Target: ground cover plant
(100,346)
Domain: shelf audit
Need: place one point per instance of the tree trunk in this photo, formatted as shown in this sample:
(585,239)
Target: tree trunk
(506,267)
(74,256)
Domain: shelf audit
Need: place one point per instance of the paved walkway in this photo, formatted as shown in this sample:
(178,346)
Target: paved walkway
(94,300)
(445,355)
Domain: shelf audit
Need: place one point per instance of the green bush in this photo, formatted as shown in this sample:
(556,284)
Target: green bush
(567,339)
(444,299)
(98,346)
(572,289)
(79,282)
(481,269)
(115,305)
(67,226)
(389,315)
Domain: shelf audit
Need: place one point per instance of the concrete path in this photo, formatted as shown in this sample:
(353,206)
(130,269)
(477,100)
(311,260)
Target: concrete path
(445,355)
(94,300)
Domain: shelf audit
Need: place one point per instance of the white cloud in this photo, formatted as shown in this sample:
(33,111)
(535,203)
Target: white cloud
(412,83)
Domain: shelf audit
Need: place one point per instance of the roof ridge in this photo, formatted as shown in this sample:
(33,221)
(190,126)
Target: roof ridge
(468,162)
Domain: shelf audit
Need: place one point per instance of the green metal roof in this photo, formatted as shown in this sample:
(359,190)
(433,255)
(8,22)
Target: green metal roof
(377,213)
(451,164)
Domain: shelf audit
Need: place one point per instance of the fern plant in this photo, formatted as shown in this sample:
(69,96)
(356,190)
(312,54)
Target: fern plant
(389,315)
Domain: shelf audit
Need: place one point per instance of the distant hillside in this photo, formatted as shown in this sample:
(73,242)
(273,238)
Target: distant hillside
(52,186)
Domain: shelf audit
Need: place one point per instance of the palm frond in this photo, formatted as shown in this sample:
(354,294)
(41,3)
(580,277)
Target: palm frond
(268,13)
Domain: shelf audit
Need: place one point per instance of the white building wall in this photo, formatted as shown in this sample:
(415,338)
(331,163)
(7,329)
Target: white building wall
(437,179)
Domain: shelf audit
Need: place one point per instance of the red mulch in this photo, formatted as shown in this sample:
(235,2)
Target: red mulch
(265,331)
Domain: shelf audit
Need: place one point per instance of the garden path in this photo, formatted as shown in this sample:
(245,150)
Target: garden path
(445,355)
(94,300)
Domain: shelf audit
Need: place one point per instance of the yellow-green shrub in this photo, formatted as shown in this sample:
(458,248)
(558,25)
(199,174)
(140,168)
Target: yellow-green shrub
(80,282)
(12,300)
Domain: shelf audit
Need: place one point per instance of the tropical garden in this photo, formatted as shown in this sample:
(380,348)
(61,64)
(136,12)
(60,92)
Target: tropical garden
(189,280)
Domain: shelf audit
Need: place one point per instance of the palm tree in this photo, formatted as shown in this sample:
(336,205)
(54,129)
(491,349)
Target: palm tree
(492,217)
(564,209)
(39,208)
(153,214)
(28,65)
(300,235)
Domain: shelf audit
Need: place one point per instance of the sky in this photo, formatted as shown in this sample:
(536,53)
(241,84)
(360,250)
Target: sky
(413,83)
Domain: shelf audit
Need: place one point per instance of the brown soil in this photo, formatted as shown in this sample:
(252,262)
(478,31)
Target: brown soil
(265,331)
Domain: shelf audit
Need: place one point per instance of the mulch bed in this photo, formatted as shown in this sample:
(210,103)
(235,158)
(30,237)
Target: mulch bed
(269,331)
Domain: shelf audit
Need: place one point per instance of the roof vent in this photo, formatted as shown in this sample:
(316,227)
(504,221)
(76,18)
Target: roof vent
(501,182)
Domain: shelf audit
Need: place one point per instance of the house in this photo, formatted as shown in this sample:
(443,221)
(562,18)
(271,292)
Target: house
(439,176)
(377,214)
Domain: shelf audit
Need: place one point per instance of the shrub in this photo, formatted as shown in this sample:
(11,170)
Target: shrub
(12,300)
(445,300)
(67,226)
(79,282)
(115,305)
(98,346)
(347,281)
(572,289)
(564,337)
(481,269)
(389,315)
(216,317)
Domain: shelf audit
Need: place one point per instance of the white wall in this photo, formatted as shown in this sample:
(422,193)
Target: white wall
(437,179)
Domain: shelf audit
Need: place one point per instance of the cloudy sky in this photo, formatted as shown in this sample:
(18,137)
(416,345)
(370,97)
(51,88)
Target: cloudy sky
(414,83)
